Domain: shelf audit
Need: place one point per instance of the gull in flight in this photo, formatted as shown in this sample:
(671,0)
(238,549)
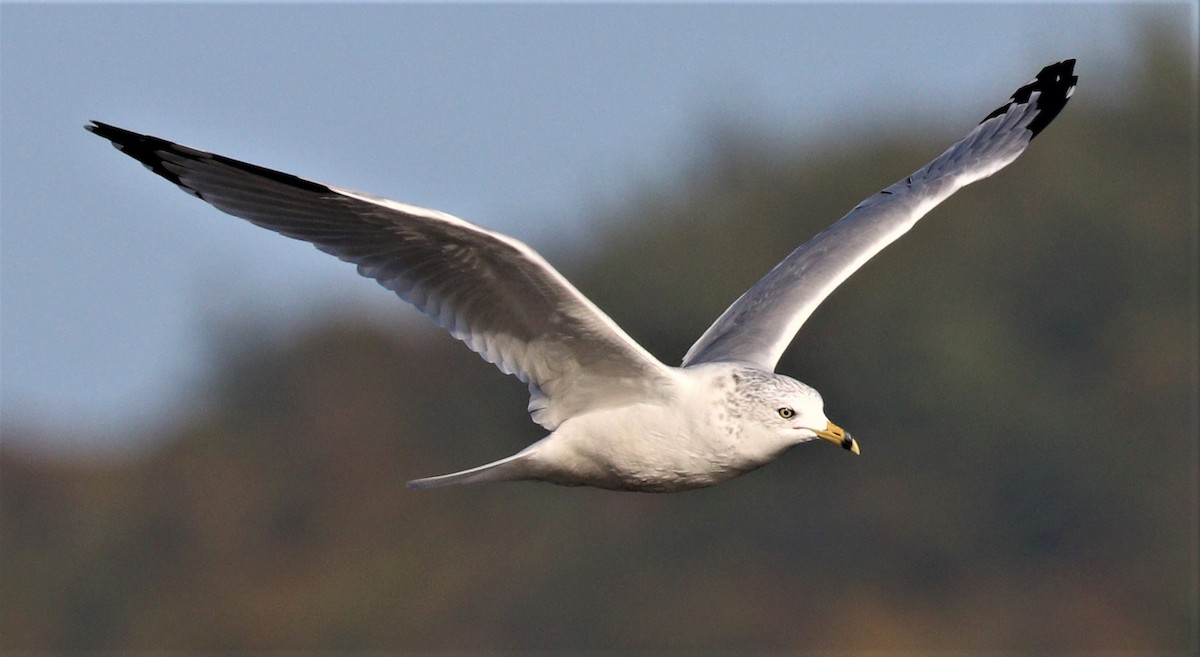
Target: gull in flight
(618,418)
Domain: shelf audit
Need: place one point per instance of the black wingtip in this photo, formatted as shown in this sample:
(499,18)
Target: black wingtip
(118,136)
(154,152)
(143,148)
(1054,85)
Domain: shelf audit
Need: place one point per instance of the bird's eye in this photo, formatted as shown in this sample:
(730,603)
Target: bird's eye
(786,413)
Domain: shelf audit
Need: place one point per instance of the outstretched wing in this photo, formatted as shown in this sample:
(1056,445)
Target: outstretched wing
(490,291)
(758,327)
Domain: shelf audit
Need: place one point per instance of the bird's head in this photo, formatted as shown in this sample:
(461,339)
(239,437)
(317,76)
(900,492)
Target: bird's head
(788,410)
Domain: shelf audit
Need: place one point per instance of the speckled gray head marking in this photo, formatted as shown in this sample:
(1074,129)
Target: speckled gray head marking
(756,384)
(755,389)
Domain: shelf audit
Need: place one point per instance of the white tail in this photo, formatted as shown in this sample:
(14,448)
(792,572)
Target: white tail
(506,469)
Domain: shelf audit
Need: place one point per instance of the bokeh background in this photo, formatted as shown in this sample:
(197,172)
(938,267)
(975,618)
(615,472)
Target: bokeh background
(206,427)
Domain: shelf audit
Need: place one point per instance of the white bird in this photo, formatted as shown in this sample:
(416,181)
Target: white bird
(618,418)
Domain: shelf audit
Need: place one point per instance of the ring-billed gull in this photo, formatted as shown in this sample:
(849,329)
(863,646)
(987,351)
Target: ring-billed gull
(618,418)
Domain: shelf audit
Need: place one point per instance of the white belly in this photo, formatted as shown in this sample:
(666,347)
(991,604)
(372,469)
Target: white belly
(646,448)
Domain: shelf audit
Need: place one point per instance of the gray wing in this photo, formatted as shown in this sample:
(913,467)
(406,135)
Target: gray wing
(758,327)
(490,291)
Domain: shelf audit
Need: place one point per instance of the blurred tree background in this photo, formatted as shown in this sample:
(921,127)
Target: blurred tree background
(1021,373)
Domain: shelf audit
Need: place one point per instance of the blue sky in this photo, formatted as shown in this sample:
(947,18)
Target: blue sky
(527,118)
